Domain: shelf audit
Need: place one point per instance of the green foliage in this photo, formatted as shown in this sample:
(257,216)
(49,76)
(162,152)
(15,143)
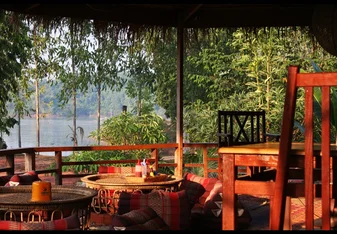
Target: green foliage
(197,157)
(200,122)
(246,72)
(318,112)
(14,48)
(129,129)
(74,133)
(95,156)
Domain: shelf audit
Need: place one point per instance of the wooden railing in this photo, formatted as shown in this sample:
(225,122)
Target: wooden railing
(30,158)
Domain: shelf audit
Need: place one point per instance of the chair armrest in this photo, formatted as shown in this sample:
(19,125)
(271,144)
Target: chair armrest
(228,141)
(224,134)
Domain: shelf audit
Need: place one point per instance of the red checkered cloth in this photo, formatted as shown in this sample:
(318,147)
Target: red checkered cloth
(71,222)
(112,169)
(206,183)
(172,207)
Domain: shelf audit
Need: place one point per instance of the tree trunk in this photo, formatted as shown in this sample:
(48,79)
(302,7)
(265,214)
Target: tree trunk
(37,102)
(74,82)
(19,130)
(37,107)
(99,114)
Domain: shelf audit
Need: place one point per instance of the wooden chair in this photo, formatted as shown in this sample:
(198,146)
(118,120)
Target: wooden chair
(233,128)
(241,128)
(324,81)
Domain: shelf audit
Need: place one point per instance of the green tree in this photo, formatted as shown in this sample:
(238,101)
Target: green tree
(104,70)
(73,71)
(38,69)
(129,129)
(14,47)
(140,84)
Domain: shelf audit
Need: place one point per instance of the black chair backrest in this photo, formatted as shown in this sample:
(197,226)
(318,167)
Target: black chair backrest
(241,127)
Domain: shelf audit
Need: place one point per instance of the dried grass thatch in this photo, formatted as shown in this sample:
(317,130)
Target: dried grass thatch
(134,21)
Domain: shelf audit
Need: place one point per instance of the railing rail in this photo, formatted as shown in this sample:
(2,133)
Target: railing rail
(31,152)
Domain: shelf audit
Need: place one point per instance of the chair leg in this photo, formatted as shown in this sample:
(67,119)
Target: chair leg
(287,215)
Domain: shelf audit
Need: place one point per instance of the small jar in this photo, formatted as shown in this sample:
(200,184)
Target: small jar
(138,169)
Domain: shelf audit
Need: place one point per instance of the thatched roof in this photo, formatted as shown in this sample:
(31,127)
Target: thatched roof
(169,15)
(137,18)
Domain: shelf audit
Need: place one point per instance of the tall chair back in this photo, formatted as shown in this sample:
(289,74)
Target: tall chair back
(241,127)
(315,85)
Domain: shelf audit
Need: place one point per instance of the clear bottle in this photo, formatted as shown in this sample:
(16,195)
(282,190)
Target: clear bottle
(147,162)
(144,169)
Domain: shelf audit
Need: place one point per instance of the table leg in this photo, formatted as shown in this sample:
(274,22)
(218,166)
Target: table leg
(228,199)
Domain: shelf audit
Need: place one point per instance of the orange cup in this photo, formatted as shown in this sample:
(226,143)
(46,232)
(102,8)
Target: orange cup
(41,191)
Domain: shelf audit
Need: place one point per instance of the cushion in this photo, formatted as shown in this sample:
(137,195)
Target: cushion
(141,219)
(213,208)
(213,203)
(112,169)
(70,222)
(217,188)
(172,207)
(4,180)
(193,190)
(13,181)
(190,181)
(23,179)
(28,178)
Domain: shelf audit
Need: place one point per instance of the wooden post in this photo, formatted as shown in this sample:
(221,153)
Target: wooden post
(180,77)
(29,161)
(154,155)
(58,159)
(205,161)
(10,163)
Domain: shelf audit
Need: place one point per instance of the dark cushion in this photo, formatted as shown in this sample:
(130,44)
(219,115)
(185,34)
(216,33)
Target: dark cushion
(23,179)
(196,185)
(172,207)
(13,181)
(4,180)
(193,190)
(141,219)
(213,208)
(28,178)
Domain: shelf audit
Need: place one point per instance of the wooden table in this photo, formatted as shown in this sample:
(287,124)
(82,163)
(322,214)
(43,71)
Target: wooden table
(17,200)
(117,181)
(109,187)
(260,155)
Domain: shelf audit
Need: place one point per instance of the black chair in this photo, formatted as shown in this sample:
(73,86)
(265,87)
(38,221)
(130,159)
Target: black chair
(243,127)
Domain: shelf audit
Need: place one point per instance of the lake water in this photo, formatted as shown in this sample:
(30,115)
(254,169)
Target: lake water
(53,132)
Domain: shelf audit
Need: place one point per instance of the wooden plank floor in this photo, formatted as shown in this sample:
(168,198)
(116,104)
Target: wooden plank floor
(259,210)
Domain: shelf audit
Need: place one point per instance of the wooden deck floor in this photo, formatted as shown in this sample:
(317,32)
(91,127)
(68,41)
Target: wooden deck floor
(259,210)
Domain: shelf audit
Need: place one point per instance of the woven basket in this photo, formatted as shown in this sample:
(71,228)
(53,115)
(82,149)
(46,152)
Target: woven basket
(157,178)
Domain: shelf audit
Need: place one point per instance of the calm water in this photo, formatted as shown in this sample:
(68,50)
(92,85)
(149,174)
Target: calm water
(53,132)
